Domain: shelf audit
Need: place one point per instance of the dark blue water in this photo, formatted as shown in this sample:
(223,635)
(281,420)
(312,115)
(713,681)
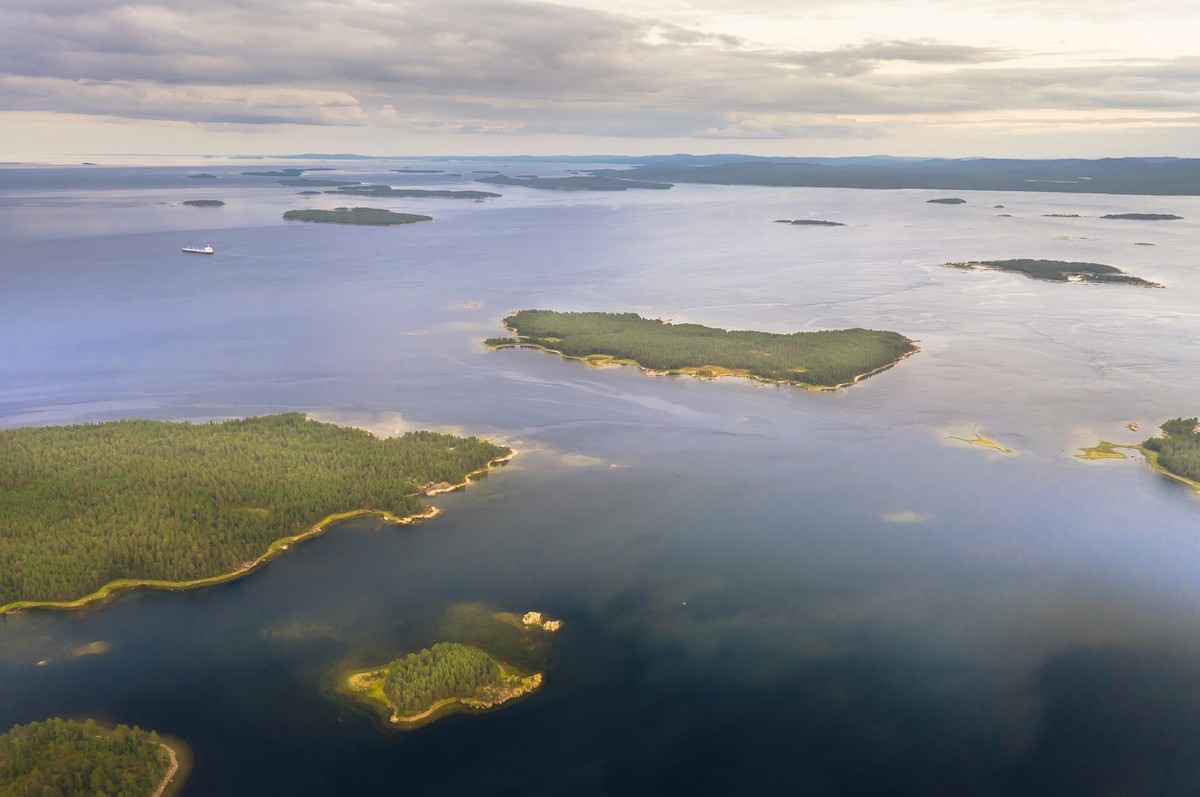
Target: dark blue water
(772,591)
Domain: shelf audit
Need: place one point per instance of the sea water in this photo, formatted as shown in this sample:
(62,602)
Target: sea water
(764,589)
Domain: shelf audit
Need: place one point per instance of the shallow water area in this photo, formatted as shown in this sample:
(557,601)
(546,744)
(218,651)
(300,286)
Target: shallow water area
(763,588)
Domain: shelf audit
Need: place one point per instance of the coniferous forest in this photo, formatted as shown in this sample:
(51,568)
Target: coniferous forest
(819,359)
(1179,447)
(447,670)
(83,505)
(64,758)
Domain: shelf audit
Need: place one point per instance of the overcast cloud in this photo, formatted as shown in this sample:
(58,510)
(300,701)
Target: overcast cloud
(512,68)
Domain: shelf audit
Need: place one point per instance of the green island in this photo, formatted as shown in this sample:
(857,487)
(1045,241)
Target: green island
(951,200)
(1143,216)
(1056,271)
(204,203)
(419,171)
(68,758)
(375,217)
(579,183)
(496,658)
(1177,452)
(411,193)
(89,510)
(810,222)
(818,360)
(201,176)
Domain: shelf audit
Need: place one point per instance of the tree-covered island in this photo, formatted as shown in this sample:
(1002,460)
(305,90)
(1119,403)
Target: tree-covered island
(1143,216)
(485,659)
(1056,271)
(203,203)
(92,509)
(810,222)
(411,193)
(818,360)
(1176,452)
(67,758)
(420,687)
(579,183)
(372,217)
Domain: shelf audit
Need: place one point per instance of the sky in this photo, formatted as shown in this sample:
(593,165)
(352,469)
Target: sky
(952,78)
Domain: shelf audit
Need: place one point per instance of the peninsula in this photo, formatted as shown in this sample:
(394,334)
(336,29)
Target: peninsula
(93,509)
(375,217)
(411,193)
(817,360)
(58,756)
(1056,271)
(574,183)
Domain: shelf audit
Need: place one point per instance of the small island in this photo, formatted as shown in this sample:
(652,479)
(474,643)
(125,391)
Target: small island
(419,171)
(1061,216)
(374,217)
(574,183)
(204,203)
(980,440)
(1056,271)
(421,687)
(411,193)
(484,659)
(1143,216)
(93,509)
(69,758)
(810,222)
(817,360)
(202,176)
(953,200)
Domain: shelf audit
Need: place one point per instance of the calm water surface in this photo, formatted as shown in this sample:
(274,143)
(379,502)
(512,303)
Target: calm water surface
(765,590)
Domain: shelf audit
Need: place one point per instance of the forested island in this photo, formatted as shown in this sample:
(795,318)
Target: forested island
(810,222)
(1177,451)
(574,183)
(204,203)
(946,201)
(290,172)
(819,360)
(411,193)
(484,659)
(418,688)
(1056,271)
(91,509)
(66,758)
(375,217)
(1143,216)
(202,176)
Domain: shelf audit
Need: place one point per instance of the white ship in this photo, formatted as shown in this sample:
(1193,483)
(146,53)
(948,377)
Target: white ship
(200,250)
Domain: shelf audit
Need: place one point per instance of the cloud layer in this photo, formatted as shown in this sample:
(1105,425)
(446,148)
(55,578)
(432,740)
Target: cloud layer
(511,68)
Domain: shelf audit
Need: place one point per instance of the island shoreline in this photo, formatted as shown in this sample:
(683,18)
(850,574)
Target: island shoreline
(692,371)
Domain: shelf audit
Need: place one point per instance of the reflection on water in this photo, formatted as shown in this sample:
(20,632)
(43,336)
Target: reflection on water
(775,590)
